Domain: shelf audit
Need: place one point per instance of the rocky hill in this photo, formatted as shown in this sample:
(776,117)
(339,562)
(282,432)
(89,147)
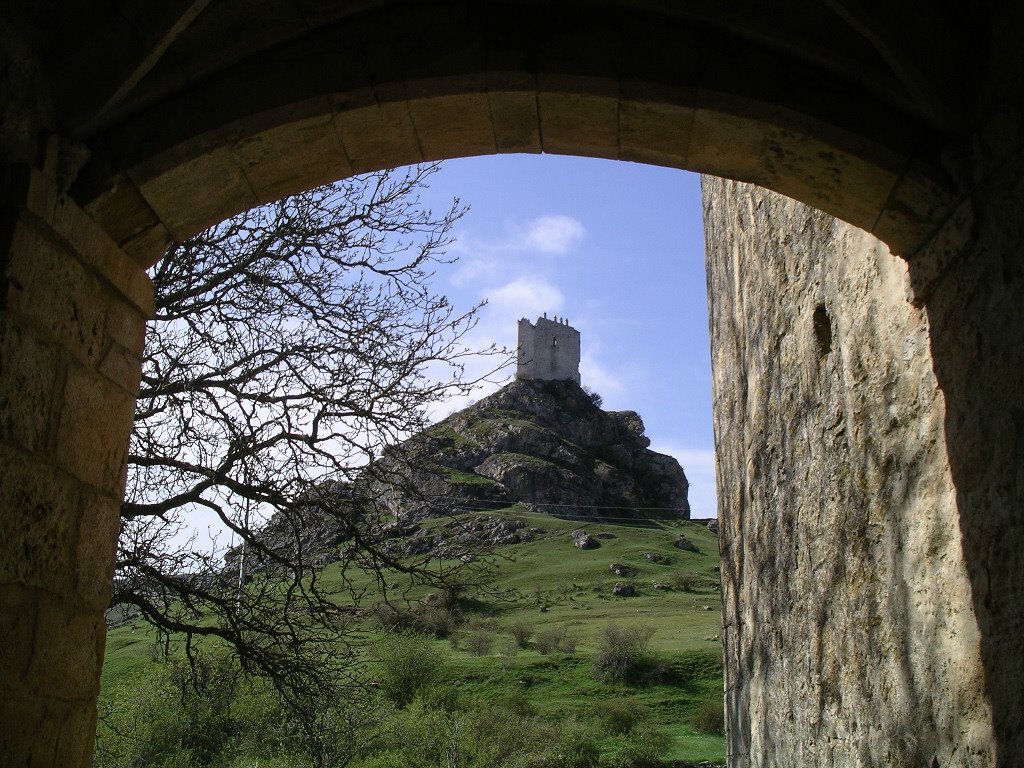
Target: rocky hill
(544,443)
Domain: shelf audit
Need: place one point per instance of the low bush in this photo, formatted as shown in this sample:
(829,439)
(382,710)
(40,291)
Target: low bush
(439,619)
(574,746)
(643,748)
(508,647)
(555,639)
(684,580)
(479,642)
(407,665)
(620,715)
(622,654)
(710,717)
(521,632)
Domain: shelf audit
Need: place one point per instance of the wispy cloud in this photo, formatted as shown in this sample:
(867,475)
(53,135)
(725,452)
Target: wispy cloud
(524,297)
(554,233)
(489,258)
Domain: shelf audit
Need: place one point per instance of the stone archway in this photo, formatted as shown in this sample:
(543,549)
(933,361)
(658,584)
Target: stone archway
(125,129)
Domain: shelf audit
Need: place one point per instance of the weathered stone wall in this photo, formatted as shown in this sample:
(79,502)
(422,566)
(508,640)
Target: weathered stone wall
(850,631)
(549,350)
(72,321)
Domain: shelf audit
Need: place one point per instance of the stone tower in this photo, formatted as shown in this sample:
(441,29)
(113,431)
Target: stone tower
(549,350)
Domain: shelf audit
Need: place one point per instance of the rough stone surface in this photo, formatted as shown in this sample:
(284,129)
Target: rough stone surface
(548,350)
(685,544)
(623,589)
(65,415)
(544,443)
(850,633)
(583,540)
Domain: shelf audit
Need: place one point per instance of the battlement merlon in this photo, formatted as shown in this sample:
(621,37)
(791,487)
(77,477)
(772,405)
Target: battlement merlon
(548,350)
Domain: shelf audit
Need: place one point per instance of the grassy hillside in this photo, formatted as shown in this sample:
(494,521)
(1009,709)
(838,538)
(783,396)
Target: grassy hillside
(548,585)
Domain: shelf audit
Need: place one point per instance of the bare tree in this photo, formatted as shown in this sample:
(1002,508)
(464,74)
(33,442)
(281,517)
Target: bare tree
(291,346)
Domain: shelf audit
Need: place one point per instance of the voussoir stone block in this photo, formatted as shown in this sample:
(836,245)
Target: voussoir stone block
(67,654)
(99,522)
(573,124)
(95,416)
(378,136)
(515,121)
(39,509)
(50,289)
(31,369)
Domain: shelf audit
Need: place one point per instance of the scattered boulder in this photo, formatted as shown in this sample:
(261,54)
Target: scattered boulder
(583,540)
(653,557)
(713,525)
(623,589)
(661,585)
(623,570)
(685,544)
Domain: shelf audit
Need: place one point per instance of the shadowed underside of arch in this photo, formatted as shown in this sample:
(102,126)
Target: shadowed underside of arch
(231,106)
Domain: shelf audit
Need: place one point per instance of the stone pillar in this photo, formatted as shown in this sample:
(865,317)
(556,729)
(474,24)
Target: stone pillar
(72,321)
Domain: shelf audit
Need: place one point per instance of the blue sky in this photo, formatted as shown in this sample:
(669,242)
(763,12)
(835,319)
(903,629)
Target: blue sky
(615,247)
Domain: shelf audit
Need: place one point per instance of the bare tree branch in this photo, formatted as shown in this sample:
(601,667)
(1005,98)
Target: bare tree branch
(293,344)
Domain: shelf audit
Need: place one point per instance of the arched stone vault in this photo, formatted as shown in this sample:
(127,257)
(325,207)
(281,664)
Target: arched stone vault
(799,100)
(124,126)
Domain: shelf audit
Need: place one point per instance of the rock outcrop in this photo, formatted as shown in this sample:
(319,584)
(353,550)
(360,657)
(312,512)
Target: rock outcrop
(543,443)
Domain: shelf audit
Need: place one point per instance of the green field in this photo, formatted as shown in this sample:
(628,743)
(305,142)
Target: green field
(549,584)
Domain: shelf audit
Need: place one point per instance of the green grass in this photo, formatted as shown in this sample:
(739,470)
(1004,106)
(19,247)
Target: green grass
(549,583)
(457,477)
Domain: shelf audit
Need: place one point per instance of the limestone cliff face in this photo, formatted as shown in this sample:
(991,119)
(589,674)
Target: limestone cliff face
(546,443)
(850,634)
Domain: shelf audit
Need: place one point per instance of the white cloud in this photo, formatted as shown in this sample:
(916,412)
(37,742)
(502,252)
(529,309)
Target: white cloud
(699,465)
(524,297)
(553,233)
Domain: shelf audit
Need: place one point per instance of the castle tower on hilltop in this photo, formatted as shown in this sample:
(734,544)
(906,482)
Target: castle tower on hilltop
(549,350)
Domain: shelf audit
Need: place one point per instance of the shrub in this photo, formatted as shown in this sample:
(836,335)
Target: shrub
(575,747)
(408,664)
(547,640)
(516,703)
(555,639)
(643,748)
(619,716)
(479,643)
(439,619)
(508,647)
(710,717)
(568,642)
(684,580)
(622,654)
(521,632)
